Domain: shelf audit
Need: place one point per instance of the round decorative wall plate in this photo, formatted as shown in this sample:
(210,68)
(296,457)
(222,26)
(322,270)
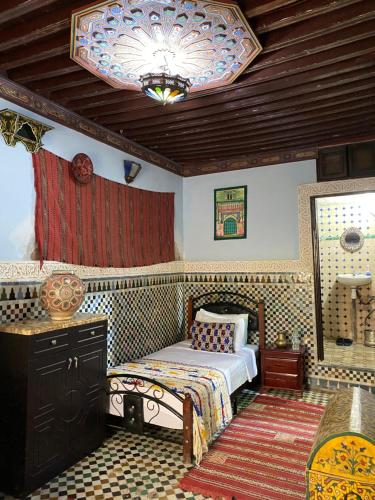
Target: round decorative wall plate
(82,168)
(352,239)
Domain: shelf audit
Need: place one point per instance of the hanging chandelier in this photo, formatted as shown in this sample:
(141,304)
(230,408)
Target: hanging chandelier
(165,88)
(165,48)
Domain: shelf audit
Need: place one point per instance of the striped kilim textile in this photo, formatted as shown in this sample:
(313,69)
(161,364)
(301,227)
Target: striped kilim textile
(262,455)
(102,223)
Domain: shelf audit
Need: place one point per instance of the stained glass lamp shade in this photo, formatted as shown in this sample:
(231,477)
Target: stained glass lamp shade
(205,44)
(164,88)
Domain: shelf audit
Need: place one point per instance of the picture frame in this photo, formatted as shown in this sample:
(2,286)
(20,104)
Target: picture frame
(230,211)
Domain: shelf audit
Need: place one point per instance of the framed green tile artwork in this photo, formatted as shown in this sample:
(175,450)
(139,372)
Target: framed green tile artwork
(230,213)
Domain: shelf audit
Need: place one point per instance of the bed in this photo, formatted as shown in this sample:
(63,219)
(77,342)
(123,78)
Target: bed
(163,388)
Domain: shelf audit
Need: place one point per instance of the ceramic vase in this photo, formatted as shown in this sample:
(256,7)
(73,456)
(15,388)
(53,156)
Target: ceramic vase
(61,294)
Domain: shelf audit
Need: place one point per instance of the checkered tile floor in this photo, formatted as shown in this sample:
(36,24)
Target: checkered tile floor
(136,467)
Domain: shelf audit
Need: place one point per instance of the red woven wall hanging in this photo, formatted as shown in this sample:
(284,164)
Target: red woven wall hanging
(102,223)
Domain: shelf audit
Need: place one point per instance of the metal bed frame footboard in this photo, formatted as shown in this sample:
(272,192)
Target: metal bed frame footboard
(130,391)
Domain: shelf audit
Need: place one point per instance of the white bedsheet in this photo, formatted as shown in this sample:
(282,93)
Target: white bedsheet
(237,367)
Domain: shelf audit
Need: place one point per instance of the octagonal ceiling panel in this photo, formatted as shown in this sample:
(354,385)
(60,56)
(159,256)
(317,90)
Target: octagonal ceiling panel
(209,42)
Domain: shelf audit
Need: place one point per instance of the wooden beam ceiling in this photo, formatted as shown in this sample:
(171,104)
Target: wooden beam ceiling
(313,83)
(12,9)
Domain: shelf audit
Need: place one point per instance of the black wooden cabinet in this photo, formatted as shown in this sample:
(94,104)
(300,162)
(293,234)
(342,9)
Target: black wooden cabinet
(52,402)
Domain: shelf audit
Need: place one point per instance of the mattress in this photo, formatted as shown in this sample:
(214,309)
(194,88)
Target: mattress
(237,368)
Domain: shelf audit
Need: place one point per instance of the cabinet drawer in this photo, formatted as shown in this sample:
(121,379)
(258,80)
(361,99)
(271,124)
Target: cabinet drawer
(50,343)
(280,365)
(87,334)
(272,379)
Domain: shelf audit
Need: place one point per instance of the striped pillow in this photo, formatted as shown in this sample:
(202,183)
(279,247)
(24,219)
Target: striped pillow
(213,337)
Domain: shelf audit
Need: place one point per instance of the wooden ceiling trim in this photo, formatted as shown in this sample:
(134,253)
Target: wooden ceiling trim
(329,103)
(117,98)
(56,66)
(258,7)
(23,97)
(255,96)
(310,62)
(307,139)
(117,103)
(56,83)
(267,152)
(96,88)
(237,132)
(285,155)
(293,67)
(309,47)
(249,161)
(244,88)
(302,140)
(269,135)
(35,52)
(12,9)
(299,11)
(39,27)
(252,122)
(225,109)
(318,26)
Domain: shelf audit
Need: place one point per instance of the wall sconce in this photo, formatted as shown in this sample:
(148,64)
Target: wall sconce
(18,128)
(132,169)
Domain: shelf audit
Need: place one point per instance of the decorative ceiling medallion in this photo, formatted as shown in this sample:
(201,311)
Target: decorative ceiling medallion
(209,43)
(18,128)
(82,168)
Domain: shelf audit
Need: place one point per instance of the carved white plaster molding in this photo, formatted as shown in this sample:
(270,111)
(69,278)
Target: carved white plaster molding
(308,191)
(246,266)
(30,270)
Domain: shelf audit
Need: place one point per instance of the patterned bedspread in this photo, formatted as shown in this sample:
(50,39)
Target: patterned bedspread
(207,387)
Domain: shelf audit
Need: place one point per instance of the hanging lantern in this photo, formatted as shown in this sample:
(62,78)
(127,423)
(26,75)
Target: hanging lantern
(165,88)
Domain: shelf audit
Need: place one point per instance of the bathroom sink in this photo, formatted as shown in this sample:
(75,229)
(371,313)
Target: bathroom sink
(356,279)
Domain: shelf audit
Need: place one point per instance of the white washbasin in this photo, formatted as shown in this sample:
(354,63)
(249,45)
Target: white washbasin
(356,279)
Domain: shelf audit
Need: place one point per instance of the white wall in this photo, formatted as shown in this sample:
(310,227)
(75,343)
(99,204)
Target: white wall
(272,213)
(17,193)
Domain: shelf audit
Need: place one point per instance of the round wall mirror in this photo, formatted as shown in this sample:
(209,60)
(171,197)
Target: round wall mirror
(352,239)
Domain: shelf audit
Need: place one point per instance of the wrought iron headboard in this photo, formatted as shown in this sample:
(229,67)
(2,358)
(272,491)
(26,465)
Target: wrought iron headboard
(238,304)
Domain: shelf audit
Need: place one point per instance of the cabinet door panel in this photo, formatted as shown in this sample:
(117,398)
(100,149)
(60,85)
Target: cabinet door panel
(88,402)
(362,159)
(48,402)
(332,164)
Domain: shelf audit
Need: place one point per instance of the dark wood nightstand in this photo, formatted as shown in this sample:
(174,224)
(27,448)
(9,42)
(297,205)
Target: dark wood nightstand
(282,368)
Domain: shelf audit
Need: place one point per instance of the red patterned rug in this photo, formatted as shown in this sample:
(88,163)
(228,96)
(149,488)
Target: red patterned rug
(261,455)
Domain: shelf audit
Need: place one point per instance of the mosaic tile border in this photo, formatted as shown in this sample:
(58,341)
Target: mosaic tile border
(23,290)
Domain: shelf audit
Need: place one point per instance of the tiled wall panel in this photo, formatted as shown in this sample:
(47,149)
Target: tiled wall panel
(148,312)
(334,216)
(144,313)
(288,304)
